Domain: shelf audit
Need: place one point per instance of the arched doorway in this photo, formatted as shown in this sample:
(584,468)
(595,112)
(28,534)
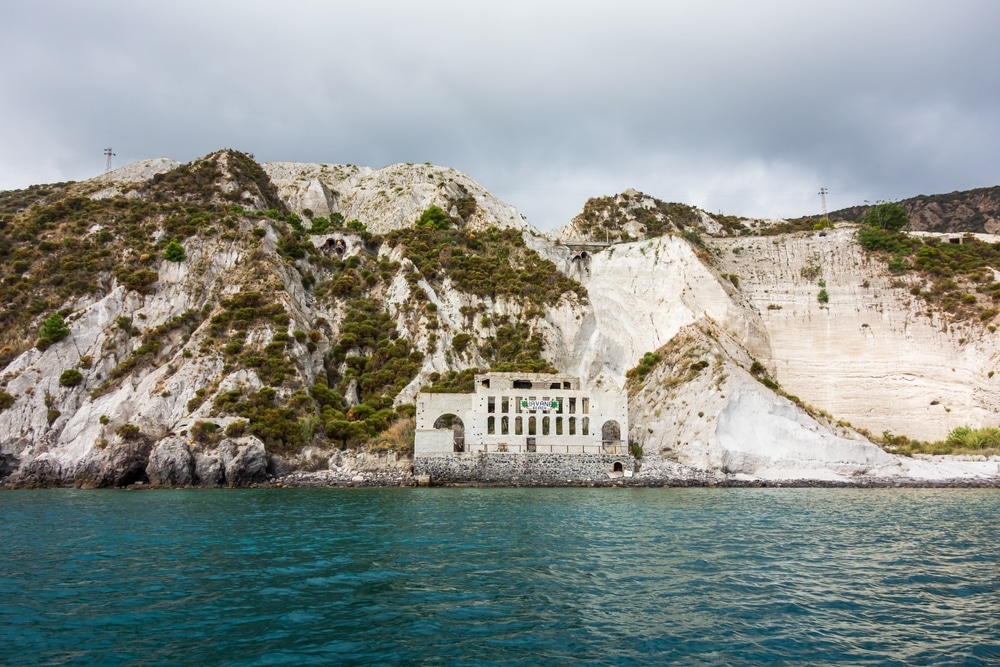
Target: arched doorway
(454,422)
(611,436)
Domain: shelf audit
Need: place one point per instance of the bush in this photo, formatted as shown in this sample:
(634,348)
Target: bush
(127,432)
(966,437)
(174,252)
(823,296)
(53,330)
(70,378)
(435,218)
(205,432)
(6,400)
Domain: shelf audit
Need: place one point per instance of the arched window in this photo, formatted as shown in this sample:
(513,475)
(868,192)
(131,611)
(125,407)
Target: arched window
(518,426)
(453,422)
(491,425)
(545,425)
(572,425)
(505,425)
(586,426)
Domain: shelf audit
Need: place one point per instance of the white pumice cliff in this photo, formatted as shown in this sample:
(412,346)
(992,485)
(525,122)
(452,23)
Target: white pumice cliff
(249,323)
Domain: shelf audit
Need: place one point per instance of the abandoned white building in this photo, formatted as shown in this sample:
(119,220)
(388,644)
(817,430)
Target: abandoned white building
(522,412)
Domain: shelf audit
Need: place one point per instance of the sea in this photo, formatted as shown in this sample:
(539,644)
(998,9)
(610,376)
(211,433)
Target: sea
(475,576)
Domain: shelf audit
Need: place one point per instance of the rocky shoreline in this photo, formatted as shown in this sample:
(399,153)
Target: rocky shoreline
(245,463)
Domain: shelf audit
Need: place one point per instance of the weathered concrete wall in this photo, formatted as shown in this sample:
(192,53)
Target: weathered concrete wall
(498,467)
(434,441)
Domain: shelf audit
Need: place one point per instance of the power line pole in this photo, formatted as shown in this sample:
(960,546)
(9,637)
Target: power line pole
(108,153)
(822,195)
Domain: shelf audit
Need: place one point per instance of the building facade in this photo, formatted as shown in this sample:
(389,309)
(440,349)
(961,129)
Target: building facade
(522,413)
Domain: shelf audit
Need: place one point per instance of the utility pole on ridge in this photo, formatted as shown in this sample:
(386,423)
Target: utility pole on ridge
(822,195)
(108,153)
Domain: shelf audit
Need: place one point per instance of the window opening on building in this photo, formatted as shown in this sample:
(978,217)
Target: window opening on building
(491,404)
(518,426)
(491,425)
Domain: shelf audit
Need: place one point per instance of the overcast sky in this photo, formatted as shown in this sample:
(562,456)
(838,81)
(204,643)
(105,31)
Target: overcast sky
(742,107)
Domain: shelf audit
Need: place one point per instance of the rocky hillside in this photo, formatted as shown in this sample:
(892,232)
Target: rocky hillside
(972,211)
(222,322)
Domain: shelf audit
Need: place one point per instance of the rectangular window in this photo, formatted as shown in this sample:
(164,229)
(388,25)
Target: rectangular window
(505,404)
(572,406)
(491,404)
(585,406)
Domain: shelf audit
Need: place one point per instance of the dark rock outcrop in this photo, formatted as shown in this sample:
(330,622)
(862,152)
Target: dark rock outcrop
(208,470)
(116,466)
(41,473)
(245,462)
(171,463)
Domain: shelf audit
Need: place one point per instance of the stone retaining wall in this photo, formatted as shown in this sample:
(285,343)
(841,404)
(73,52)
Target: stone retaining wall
(527,468)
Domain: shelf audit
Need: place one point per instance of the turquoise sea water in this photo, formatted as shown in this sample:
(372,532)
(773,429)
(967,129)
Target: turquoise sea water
(500,577)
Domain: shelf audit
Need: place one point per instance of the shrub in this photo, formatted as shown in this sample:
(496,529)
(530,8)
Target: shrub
(236,429)
(966,437)
(810,272)
(6,400)
(434,218)
(460,342)
(823,296)
(174,252)
(70,378)
(127,432)
(205,432)
(53,330)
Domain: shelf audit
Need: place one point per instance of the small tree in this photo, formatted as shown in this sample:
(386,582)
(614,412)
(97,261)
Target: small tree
(887,215)
(174,252)
(53,330)
(435,218)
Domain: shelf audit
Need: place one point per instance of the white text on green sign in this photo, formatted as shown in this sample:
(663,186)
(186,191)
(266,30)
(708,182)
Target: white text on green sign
(539,405)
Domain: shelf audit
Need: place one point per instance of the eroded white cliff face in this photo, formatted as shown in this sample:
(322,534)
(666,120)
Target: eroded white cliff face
(388,198)
(874,355)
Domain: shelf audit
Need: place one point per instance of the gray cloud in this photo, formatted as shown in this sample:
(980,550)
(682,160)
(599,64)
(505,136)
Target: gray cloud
(738,107)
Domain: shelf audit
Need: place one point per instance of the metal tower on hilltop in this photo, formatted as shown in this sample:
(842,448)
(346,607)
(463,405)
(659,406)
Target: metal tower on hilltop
(822,196)
(108,153)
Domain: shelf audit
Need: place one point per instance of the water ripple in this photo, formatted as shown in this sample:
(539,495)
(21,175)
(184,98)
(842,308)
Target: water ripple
(500,577)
